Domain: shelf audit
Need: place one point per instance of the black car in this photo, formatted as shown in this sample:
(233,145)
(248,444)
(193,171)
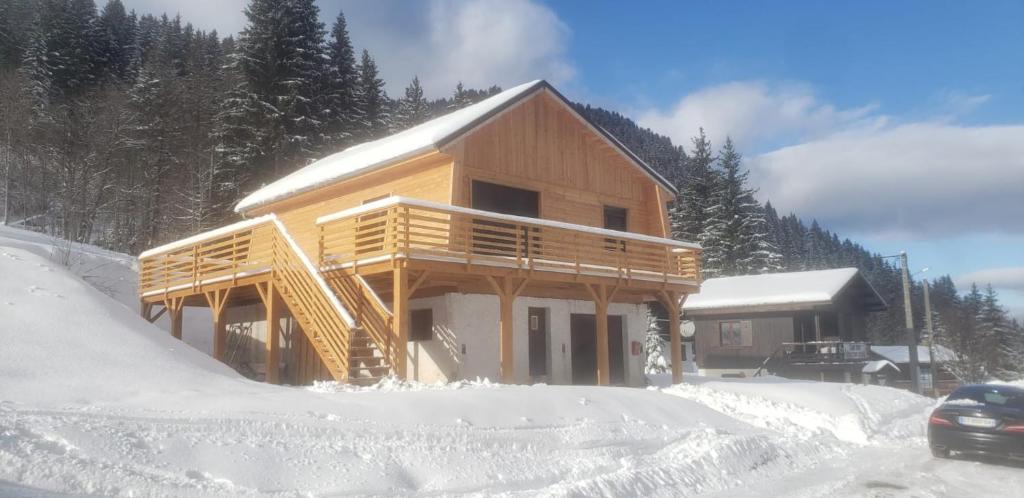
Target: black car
(984,419)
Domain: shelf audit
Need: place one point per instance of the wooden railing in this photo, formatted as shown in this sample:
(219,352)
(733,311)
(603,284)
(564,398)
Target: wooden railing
(261,246)
(825,351)
(232,252)
(403,227)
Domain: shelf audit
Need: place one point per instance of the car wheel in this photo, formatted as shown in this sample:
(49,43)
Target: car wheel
(940,452)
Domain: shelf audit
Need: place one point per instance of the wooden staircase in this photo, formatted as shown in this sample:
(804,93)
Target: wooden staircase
(344,320)
(355,348)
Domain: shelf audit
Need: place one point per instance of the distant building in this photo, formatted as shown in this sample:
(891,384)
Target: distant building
(899,358)
(807,325)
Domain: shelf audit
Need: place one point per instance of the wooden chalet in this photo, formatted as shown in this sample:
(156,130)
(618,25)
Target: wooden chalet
(512,239)
(809,325)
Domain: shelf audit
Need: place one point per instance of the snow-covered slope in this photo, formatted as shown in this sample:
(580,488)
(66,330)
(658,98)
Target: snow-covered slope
(94,400)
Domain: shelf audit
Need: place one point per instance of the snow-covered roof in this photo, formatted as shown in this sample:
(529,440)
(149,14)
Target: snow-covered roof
(877,365)
(775,289)
(416,141)
(901,354)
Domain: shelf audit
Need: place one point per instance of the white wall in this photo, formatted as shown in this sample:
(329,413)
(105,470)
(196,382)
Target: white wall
(470,323)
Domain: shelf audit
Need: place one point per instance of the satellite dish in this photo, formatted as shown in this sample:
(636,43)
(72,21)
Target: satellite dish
(688,328)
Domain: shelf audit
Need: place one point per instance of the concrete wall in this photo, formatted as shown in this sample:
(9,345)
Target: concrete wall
(465,343)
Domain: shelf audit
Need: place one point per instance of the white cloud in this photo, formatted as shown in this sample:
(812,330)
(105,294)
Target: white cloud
(755,113)
(920,179)
(478,42)
(1011,278)
(223,15)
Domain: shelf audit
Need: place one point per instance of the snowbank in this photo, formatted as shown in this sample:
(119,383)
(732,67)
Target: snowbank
(801,409)
(94,400)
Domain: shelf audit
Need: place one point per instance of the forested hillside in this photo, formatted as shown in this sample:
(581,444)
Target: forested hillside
(128,131)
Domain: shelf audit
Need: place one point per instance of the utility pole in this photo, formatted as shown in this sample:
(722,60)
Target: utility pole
(915,377)
(933,362)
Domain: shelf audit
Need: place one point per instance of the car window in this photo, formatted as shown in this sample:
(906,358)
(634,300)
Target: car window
(987,395)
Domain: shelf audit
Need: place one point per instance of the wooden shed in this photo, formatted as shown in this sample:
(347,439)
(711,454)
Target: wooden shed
(511,239)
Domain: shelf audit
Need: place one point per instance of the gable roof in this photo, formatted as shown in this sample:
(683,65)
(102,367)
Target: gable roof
(901,354)
(775,291)
(428,137)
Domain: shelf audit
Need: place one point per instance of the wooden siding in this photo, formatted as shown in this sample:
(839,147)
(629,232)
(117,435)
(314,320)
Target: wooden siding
(427,178)
(541,145)
(768,333)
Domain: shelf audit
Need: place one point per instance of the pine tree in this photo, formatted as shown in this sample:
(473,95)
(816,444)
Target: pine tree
(654,347)
(117,29)
(15,31)
(372,100)
(272,120)
(342,118)
(461,98)
(689,214)
(412,108)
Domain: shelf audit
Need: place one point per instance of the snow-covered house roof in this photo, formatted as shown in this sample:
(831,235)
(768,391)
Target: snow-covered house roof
(876,366)
(776,291)
(901,354)
(416,141)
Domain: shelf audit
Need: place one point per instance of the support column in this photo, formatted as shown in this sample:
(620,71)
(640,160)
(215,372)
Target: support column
(273,309)
(175,306)
(218,306)
(508,369)
(400,312)
(601,319)
(507,289)
(671,302)
(602,298)
(817,327)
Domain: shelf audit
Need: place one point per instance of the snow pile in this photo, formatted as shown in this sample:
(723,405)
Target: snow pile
(801,409)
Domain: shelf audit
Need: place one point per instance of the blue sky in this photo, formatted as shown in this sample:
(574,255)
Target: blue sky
(898,124)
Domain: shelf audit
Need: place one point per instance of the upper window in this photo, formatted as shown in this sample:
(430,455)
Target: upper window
(615,218)
(735,333)
(422,326)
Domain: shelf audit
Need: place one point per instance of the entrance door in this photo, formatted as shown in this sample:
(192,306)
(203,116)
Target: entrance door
(538,344)
(583,335)
(496,238)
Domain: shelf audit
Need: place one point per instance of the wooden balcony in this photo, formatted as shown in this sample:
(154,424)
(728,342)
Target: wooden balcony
(413,229)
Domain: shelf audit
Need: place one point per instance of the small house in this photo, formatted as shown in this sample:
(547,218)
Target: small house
(512,239)
(807,324)
(933,375)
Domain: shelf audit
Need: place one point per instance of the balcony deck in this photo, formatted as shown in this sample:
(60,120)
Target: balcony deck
(367,239)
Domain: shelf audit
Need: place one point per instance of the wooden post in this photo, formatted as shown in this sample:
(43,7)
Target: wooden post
(508,366)
(273,356)
(602,298)
(175,306)
(601,316)
(507,290)
(400,311)
(817,327)
(218,300)
(671,302)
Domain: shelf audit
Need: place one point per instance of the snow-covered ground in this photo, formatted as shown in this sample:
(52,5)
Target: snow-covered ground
(94,400)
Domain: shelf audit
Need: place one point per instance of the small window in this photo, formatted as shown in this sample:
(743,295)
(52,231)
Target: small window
(615,219)
(422,326)
(735,334)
